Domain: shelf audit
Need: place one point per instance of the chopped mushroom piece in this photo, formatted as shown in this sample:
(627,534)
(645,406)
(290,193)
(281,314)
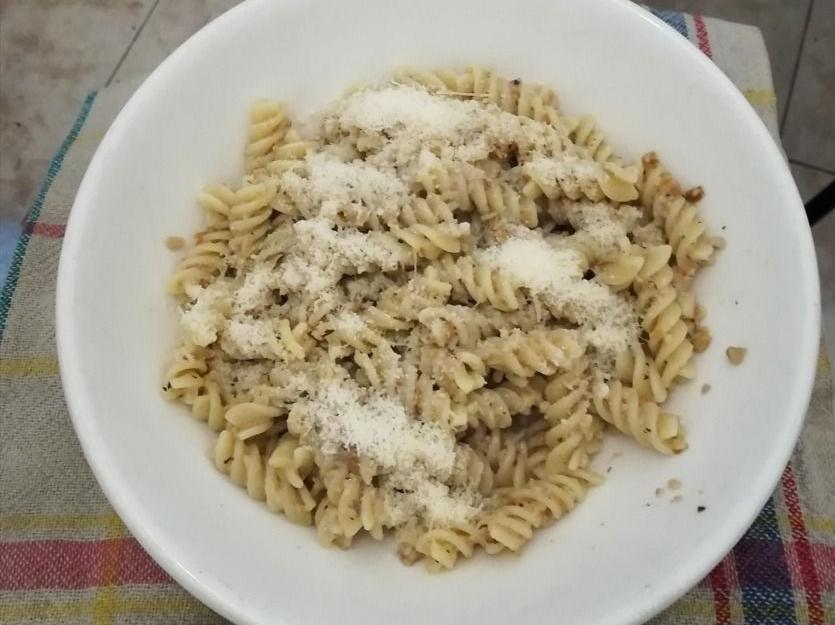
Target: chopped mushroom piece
(736,354)
(175,243)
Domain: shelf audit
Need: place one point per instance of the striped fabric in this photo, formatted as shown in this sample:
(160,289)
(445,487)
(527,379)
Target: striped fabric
(65,557)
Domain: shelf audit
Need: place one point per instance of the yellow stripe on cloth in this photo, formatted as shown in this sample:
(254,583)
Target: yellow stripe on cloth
(823,364)
(64,610)
(28,366)
(760,97)
(10,522)
(105,605)
(821,525)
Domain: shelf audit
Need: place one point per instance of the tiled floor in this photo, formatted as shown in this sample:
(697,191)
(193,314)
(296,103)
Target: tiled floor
(52,52)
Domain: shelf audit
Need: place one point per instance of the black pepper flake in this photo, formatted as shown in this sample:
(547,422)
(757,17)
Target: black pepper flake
(516,81)
(724,227)
(609,470)
(701,508)
(588,275)
(647,430)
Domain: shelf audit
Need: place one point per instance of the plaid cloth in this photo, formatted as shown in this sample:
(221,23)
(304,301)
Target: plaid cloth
(66,557)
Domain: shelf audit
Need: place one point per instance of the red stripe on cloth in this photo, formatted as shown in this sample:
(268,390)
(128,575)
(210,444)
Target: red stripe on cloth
(825,555)
(720,584)
(137,567)
(72,565)
(701,35)
(50,231)
(800,539)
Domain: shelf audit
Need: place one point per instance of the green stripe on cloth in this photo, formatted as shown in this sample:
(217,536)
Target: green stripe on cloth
(35,211)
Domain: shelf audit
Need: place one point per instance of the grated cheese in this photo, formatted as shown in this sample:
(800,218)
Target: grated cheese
(332,183)
(324,246)
(378,427)
(424,497)
(604,224)
(255,290)
(565,168)
(530,261)
(555,272)
(407,122)
(246,337)
(419,111)
(203,320)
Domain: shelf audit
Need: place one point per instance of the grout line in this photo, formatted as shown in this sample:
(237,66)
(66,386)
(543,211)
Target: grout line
(817,168)
(797,65)
(130,45)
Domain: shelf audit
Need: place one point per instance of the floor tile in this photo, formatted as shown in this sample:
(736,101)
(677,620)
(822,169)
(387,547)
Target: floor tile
(809,132)
(52,53)
(781,23)
(809,181)
(824,235)
(172,22)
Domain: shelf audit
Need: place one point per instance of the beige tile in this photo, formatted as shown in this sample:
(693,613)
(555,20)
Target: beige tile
(52,53)
(809,181)
(781,23)
(809,132)
(171,24)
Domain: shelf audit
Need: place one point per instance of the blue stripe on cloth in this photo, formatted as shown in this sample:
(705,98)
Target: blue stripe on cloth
(35,210)
(764,578)
(673,18)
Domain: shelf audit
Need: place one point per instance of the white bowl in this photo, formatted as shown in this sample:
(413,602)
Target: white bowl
(615,559)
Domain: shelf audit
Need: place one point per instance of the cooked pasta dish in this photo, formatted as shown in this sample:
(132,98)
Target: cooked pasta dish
(422,310)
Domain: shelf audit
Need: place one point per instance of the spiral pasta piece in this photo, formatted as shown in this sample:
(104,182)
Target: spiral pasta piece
(638,264)
(537,503)
(291,487)
(526,354)
(251,418)
(432,241)
(453,325)
(206,260)
(662,195)
(663,319)
(429,211)
(268,124)
(479,283)
(418,393)
(209,406)
(351,506)
(249,216)
(184,376)
(459,372)
(441,547)
(467,188)
(472,471)
(588,136)
(576,178)
(495,407)
(637,369)
(242,462)
(644,421)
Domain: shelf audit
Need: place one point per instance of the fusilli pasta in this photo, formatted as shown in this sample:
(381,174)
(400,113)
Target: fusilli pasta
(423,312)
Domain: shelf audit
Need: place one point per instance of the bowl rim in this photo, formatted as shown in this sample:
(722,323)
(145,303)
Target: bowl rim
(203,585)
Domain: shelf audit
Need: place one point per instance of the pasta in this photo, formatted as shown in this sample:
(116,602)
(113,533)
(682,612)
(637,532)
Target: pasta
(423,312)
